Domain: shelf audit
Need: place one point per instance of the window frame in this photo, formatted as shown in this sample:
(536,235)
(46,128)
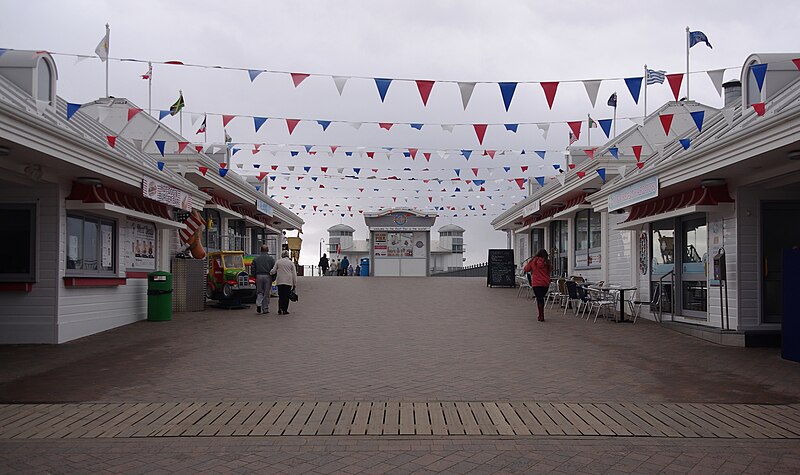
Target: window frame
(32,276)
(99,221)
(594,223)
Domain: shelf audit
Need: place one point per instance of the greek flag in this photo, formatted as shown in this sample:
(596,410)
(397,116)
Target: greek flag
(655,76)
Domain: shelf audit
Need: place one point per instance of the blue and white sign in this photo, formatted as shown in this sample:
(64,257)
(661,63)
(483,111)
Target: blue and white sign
(635,193)
(263,208)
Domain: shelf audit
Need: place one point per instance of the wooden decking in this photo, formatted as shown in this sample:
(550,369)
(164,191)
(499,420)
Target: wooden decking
(309,418)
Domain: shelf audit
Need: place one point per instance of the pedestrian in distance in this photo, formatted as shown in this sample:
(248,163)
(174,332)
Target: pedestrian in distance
(350,270)
(323,264)
(358,270)
(343,266)
(539,268)
(286,277)
(261,268)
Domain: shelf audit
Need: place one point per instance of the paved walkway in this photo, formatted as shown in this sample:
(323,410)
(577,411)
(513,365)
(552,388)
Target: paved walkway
(431,357)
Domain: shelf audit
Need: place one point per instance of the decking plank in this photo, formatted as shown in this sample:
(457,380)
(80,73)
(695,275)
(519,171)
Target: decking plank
(471,426)
(345,421)
(284,419)
(438,425)
(361,419)
(391,419)
(376,414)
(585,414)
(498,419)
(422,422)
(608,421)
(406,418)
(451,418)
(300,418)
(517,426)
(315,419)
(482,417)
(331,416)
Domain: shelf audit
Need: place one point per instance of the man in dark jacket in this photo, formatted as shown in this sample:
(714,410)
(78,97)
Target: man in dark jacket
(323,264)
(343,266)
(261,267)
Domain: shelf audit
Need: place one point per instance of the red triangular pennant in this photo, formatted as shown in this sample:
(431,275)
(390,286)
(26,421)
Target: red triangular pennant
(675,81)
(475,171)
(386,125)
(760,108)
(480,131)
(524,168)
(490,153)
(261,175)
(132,112)
(199,148)
(297,78)
(371,154)
(291,124)
(575,126)
(112,140)
(256,148)
(413,152)
(427,156)
(333,149)
(589,152)
(637,152)
(324,169)
(640,165)
(361,190)
(181,146)
(430,199)
(274,167)
(520,183)
(424,90)
(226,119)
(796,62)
(203,170)
(223,165)
(550,89)
(666,122)
(571,165)
(580,174)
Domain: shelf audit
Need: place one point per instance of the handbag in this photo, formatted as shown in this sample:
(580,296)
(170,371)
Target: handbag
(293,296)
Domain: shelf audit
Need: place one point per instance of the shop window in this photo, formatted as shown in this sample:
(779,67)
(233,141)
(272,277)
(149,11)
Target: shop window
(44,82)
(537,240)
(90,245)
(18,243)
(559,251)
(211,234)
(588,232)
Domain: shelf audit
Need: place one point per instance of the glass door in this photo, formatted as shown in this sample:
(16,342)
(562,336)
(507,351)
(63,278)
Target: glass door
(662,243)
(694,257)
(780,229)
(559,248)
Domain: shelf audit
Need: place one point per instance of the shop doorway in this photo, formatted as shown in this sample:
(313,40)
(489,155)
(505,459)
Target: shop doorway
(780,229)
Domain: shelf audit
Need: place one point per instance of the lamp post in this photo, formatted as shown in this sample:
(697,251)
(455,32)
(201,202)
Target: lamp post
(321,245)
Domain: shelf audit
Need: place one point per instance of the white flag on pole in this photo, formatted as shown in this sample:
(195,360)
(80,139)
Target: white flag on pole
(102,48)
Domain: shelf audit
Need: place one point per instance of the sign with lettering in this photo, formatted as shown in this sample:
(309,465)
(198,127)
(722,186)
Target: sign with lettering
(399,228)
(635,193)
(531,208)
(163,193)
(263,208)
(501,268)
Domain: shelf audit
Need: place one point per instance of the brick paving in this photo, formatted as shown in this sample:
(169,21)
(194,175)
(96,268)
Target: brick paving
(358,339)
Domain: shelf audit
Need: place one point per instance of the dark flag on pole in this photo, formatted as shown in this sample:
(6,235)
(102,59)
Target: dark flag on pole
(612,101)
(175,108)
(698,37)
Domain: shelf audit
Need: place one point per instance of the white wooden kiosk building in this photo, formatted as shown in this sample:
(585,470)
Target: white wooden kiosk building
(400,242)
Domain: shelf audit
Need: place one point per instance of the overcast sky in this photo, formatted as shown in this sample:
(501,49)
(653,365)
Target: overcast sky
(426,39)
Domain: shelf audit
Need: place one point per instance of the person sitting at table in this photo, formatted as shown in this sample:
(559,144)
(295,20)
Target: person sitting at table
(539,268)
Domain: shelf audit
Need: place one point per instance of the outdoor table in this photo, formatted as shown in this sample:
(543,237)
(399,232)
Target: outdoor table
(621,291)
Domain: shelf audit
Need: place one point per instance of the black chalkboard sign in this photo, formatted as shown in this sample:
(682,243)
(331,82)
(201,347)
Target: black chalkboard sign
(501,268)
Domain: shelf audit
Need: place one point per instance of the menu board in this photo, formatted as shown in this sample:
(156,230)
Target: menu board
(139,245)
(501,268)
(381,248)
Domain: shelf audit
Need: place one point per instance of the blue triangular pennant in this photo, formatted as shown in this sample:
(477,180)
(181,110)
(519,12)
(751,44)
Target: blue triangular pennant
(602,173)
(614,152)
(685,143)
(307,169)
(234,150)
(253,73)
(698,119)
(160,145)
(223,172)
(383,87)
(540,180)
(273,178)
(635,87)
(416,126)
(258,122)
(406,154)
(349,154)
(302,206)
(357,170)
(324,124)
(258,187)
(457,190)
(506,169)
(72,109)
(458,171)
(314,178)
(160,166)
(256,165)
(466,153)
(522,152)
(293,153)
(512,127)
(605,124)
(162,114)
(557,166)
(759,72)
(507,90)
(479,182)
(541,153)
(308,148)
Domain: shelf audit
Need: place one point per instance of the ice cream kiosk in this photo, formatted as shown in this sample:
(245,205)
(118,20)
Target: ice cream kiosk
(400,242)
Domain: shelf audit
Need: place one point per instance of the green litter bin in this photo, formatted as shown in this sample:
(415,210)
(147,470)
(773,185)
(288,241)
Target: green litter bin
(159,296)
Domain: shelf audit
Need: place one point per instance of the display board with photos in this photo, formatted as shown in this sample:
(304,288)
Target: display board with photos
(139,245)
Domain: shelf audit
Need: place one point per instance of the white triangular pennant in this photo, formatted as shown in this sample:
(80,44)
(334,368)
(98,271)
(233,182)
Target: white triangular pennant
(466,92)
(638,121)
(340,170)
(622,170)
(80,59)
(545,128)
(340,81)
(355,125)
(728,114)
(194,117)
(562,178)
(103,112)
(239,165)
(137,143)
(448,128)
(716,78)
(592,86)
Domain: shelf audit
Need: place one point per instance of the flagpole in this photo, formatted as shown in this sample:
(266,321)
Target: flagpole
(108,49)
(589,130)
(687,63)
(150,88)
(180,98)
(615,120)
(645,90)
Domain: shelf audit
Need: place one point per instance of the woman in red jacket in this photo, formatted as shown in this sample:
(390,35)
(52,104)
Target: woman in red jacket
(539,267)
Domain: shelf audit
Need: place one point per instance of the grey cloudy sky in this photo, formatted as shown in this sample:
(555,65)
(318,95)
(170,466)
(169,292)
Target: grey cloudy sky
(422,39)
